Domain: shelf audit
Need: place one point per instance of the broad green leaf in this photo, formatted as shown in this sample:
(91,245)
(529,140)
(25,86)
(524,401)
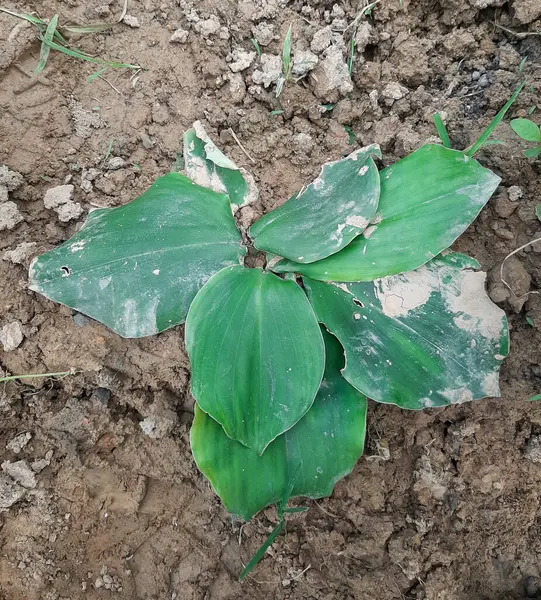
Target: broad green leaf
(137,268)
(324,217)
(427,200)
(532,152)
(526,129)
(257,353)
(206,165)
(538,212)
(430,337)
(316,453)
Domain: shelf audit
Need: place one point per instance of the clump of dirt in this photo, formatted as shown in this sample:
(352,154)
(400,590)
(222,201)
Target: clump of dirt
(98,491)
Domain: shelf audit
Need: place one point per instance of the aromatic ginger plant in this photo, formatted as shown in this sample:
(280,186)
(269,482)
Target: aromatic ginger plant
(359,298)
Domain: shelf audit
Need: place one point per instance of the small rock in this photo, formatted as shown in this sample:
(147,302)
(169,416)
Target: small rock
(208,27)
(516,277)
(11,336)
(59,200)
(11,180)
(503,206)
(10,492)
(271,66)
(80,320)
(98,583)
(17,443)
(146,141)
(504,233)
(366,34)
(180,36)
(263,33)
(237,88)
(22,254)
(303,62)
(115,163)
(526,11)
(515,193)
(331,77)
(21,472)
(241,60)
(9,215)
(40,464)
(131,21)
(156,427)
(100,396)
(321,40)
(394,91)
(532,450)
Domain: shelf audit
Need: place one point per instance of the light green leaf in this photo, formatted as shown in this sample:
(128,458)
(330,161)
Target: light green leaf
(137,268)
(257,353)
(317,452)
(526,129)
(538,211)
(208,166)
(427,200)
(430,337)
(532,152)
(324,217)
(45,48)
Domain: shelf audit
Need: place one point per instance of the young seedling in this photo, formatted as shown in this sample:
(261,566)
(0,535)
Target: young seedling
(287,65)
(529,132)
(33,375)
(359,299)
(52,37)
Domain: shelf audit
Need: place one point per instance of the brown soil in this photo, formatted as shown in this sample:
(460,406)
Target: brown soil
(445,503)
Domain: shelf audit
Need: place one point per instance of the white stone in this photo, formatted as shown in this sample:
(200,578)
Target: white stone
(131,21)
(9,215)
(11,336)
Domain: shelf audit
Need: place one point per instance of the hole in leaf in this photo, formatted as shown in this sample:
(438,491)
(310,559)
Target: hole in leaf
(66,271)
(358,303)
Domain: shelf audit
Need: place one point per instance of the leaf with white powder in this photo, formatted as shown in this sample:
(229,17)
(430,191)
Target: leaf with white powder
(429,337)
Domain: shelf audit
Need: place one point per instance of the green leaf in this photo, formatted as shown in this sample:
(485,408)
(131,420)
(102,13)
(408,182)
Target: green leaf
(532,152)
(442,130)
(286,54)
(45,48)
(481,140)
(324,217)
(526,129)
(427,200)
(257,353)
(208,166)
(319,450)
(137,268)
(262,549)
(430,337)
(538,210)
(535,398)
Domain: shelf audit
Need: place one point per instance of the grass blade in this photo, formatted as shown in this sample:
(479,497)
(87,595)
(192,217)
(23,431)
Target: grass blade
(82,56)
(534,398)
(351,53)
(494,123)
(32,375)
(261,552)
(45,44)
(30,18)
(96,28)
(256,46)
(96,74)
(286,54)
(442,130)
